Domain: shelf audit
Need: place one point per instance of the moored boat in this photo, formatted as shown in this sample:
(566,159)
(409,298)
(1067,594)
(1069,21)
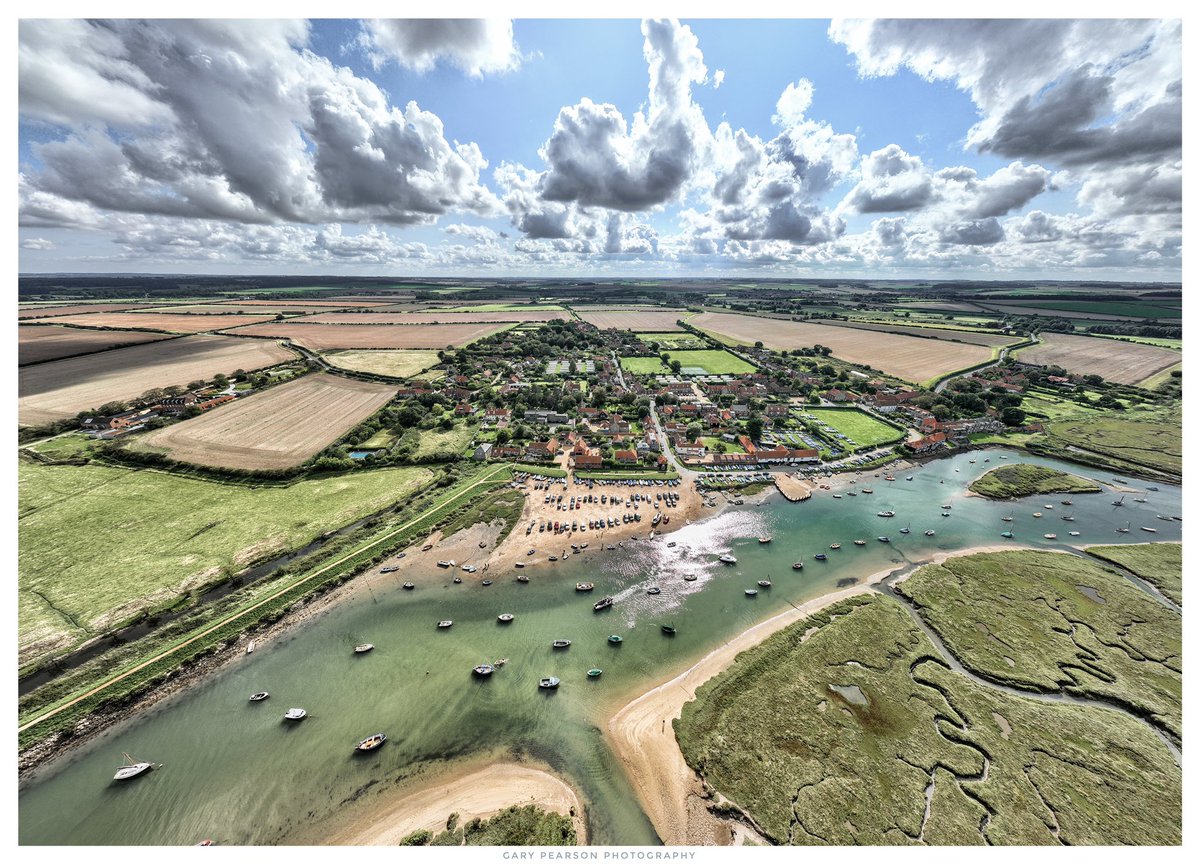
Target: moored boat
(444,625)
(505,617)
(584,586)
(523,579)
(487,582)
(667,630)
(835,545)
(408,586)
(1050,536)
(363,648)
(548,683)
(929,533)
(797,565)
(764,583)
(595,673)
(1006,535)
(614,639)
(371,742)
(1149,530)
(483,670)
(602,603)
(764,540)
(295,714)
(561,643)
(259,696)
(884,539)
(727,559)
(886,514)
(860,542)
(821,556)
(132,769)
(653,589)
(751,592)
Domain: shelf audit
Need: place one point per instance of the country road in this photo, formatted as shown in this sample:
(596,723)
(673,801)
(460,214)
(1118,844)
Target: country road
(1003,354)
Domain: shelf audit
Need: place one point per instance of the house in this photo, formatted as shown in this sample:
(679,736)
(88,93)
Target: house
(785,455)
(886,403)
(413,391)
(836,395)
(747,444)
(463,409)
(690,409)
(652,442)
(122,421)
(550,418)
(499,416)
(506,451)
(776,410)
(735,460)
(215,401)
(542,449)
(739,410)
(695,450)
(929,442)
(626,457)
(483,451)
(588,460)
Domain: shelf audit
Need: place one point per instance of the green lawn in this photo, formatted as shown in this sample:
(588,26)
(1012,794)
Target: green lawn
(98,543)
(70,446)
(382,439)
(863,429)
(714,445)
(831,732)
(1015,481)
(713,362)
(643,365)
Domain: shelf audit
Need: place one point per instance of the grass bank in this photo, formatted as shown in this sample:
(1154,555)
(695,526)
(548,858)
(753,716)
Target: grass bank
(1160,564)
(1017,481)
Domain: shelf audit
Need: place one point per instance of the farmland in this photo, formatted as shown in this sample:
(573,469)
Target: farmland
(327,337)
(160,535)
(278,428)
(971,337)
(169,322)
(316,301)
(1122,362)
(62,388)
(650,320)
(42,343)
(396,364)
(860,427)
(682,341)
(1137,309)
(434,317)
(24,311)
(903,356)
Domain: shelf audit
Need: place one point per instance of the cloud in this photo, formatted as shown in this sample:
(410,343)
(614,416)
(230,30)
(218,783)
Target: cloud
(40,244)
(249,125)
(718,79)
(476,46)
(892,180)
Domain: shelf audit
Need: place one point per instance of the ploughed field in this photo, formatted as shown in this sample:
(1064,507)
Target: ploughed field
(434,317)
(170,322)
(648,321)
(1122,362)
(25,312)
(327,337)
(44,342)
(99,544)
(906,357)
(61,389)
(277,428)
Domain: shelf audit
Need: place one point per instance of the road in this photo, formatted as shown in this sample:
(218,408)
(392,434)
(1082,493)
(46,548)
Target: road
(617,366)
(665,442)
(249,609)
(1003,354)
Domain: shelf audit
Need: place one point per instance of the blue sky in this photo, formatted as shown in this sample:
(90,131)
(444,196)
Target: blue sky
(863,148)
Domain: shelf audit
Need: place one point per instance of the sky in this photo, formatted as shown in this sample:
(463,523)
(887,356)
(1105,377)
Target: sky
(1000,149)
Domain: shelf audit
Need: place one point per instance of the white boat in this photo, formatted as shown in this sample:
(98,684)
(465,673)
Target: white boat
(751,592)
(929,533)
(260,696)
(363,648)
(727,559)
(131,769)
(295,714)
(1073,533)
(548,683)
(764,540)
(1149,530)
(561,643)
(1050,536)
(442,625)
(505,617)
(250,647)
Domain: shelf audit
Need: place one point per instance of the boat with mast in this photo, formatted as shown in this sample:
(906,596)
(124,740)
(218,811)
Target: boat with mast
(132,768)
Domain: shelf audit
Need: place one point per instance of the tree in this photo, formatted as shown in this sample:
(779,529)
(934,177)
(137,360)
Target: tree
(1012,416)
(503,437)
(665,358)
(754,428)
(694,431)
(758,344)
(676,366)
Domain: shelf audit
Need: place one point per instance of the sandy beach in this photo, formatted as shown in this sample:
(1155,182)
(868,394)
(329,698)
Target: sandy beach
(481,793)
(642,735)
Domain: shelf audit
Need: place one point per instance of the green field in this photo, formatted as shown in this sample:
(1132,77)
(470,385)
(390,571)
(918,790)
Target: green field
(713,362)
(392,363)
(1048,621)
(1160,564)
(715,445)
(381,440)
(644,365)
(1058,408)
(673,341)
(1139,309)
(1016,481)
(98,543)
(860,427)
(427,443)
(71,446)
(1177,344)
(835,729)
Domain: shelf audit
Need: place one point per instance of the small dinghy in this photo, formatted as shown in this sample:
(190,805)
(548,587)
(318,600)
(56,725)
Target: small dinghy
(505,617)
(523,579)
(483,670)
(860,542)
(691,577)
(584,586)
(548,683)
(486,582)
(615,639)
(667,630)
(764,583)
(561,643)
(295,714)
(371,742)
(457,580)
(751,592)
(260,696)
(821,556)
(408,586)
(595,673)
(929,533)
(603,603)
(1073,533)
(1050,536)
(798,565)
(653,589)
(835,545)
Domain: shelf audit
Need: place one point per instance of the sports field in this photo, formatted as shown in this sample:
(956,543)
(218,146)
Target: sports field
(861,428)
(1123,362)
(277,428)
(62,388)
(42,343)
(905,357)
(711,362)
(326,337)
(99,543)
(396,364)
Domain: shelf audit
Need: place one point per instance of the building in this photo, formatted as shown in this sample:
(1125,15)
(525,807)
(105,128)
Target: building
(543,450)
(626,457)
(483,451)
(550,418)
(463,409)
(588,460)
(739,410)
(836,395)
(695,450)
(746,444)
(776,410)
(506,451)
(177,404)
(929,442)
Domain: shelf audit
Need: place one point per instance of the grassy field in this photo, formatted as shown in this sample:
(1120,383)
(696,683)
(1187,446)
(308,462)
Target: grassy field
(716,444)
(98,544)
(644,365)
(382,439)
(681,341)
(1058,408)
(436,442)
(713,362)
(1177,344)
(861,428)
(1149,443)
(1048,621)
(833,730)
(517,826)
(1160,564)
(395,364)
(280,427)
(1138,309)
(1159,378)
(74,445)
(1016,481)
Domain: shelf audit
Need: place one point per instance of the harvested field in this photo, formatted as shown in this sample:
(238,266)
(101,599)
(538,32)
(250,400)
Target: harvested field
(228,308)
(75,309)
(397,364)
(646,321)
(327,337)
(320,302)
(970,337)
(42,343)
(173,323)
(434,317)
(63,388)
(278,428)
(903,356)
(1122,362)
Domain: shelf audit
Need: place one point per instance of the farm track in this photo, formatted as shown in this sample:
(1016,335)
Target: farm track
(488,477)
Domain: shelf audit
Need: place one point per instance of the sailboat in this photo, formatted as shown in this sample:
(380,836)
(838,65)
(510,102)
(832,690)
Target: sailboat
(1124,530)
(1007,518)
(131,768)
(906,528)
(1120,502)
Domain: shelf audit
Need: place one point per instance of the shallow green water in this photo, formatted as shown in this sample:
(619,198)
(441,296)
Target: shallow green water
(235,773)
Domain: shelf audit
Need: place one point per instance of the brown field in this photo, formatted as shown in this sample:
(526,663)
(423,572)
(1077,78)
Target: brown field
(433,317)
(172,323)
(905,357)
(278,428)
(1122,362)
(228,308)
(381,361)
(319,302)
(63,388)
(643,321)
(45,342)
(971,337)
(327,337)
(75,309)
